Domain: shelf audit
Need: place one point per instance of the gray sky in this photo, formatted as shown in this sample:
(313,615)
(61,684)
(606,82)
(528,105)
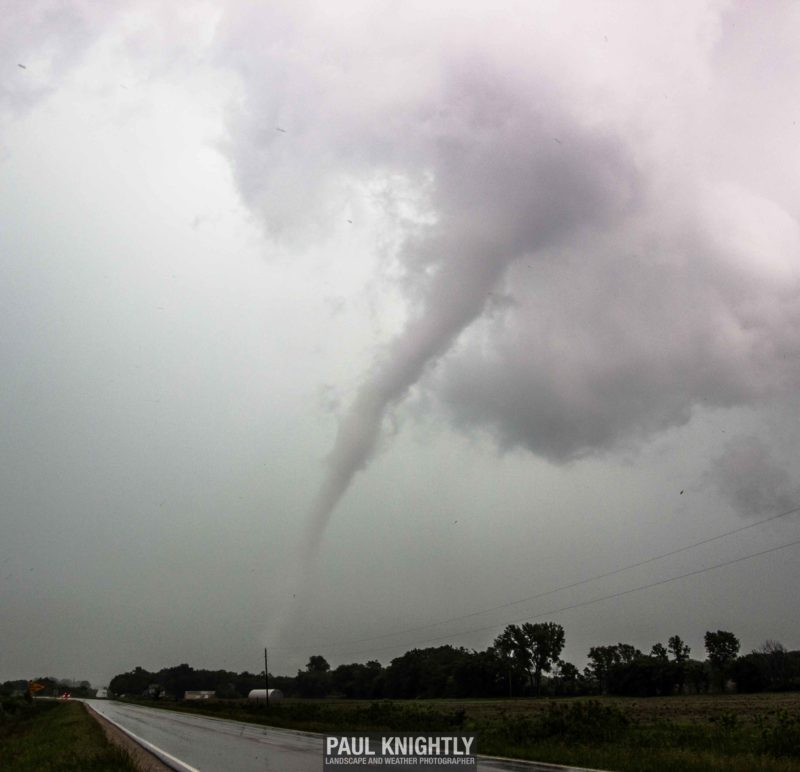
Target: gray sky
(323,323)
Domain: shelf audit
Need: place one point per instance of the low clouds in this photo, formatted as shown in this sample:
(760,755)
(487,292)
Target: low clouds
(753,480)
(49,38)
(610,342)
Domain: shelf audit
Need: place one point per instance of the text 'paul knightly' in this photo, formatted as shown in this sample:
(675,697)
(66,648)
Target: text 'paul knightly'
(420,745)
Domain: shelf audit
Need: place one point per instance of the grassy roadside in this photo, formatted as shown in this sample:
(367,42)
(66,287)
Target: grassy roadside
(753,733)
(51,735)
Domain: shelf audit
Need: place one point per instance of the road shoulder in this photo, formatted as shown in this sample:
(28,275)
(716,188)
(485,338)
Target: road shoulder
(141,757)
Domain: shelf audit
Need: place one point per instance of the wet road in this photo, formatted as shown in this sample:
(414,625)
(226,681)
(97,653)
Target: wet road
(192,743)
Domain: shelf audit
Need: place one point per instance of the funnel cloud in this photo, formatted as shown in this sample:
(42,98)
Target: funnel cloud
(534,266)
(641,283)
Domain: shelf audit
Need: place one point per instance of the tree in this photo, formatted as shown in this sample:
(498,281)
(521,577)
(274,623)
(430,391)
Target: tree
(601,660)
(506,647)
(544,642)
(605,660)
(696,675)
(776,663)
(133,683)
(315,680)
(628,653)
(179,679)
(680,656)
(567,678)
(357,680)
(722,648)
(749,673)
(659,652)
(479,674)
(317,664)
(679,650)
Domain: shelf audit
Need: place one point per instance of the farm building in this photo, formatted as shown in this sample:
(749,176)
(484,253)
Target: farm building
(260,695)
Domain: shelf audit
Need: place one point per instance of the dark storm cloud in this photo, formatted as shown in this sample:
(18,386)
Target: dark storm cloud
(500,186)
(502,190)
(752,479)
(611,342)
(586,220)
(642,284)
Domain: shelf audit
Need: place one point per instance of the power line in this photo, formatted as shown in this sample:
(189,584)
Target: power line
(571,586)
(582,604)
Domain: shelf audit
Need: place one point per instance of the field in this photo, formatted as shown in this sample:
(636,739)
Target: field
(743,733)
(51,735)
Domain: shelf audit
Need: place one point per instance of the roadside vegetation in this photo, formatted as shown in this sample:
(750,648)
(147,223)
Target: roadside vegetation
(41,735)
(693,733)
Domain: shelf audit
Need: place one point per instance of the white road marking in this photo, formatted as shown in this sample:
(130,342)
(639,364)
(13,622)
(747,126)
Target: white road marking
(162,754)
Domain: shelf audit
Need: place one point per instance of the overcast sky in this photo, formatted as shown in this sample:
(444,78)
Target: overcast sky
(343,327)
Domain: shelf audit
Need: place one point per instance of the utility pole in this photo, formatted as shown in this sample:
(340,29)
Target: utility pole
(266,679)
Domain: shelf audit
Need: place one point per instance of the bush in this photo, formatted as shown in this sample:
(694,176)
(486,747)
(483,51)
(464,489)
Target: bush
(11,707)
(578,722)
(584,722)
(781,738)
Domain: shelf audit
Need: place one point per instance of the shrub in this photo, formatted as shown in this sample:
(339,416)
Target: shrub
(781,738)
(583,722)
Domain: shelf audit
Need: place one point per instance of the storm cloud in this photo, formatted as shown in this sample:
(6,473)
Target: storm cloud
(755,483)
(638,283)
(531,265)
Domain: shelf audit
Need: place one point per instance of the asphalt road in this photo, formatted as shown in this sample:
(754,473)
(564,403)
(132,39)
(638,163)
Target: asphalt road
(192,743)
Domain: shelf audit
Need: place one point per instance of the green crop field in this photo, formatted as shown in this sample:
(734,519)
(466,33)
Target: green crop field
(744,733)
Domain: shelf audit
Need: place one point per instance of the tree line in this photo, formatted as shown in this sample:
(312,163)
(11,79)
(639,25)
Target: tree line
(523,660)
(49,687)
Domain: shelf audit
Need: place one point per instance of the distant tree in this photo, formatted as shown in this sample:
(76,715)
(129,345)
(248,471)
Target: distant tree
(697,675)
(315,680)
(567,678)
(628,653)
(245,682)
(601,660)
(133,683)
(18,687)
(680,656)
(440,671)
(479,674)
(679,650)
(177,680)
(659,652)
(543,642)
(722,647)
(776,664)
(317,664)
(643,675)
(749,673)
(507,648)
(82,689)
(605,660)
(226,690)
(358,681)
(285,684)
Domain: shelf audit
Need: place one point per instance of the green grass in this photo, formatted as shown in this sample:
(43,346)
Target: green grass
(51,735)
(741,733)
